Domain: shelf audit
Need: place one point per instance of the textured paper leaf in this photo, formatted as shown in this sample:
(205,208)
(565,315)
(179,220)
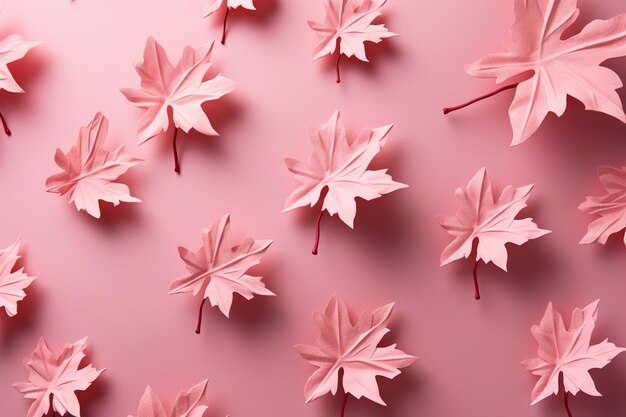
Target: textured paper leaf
(218,269)
(90,171)
(350,23)
(340,165)
(353,348)
(54,378)
(609,209)
(12,283)
(568,351)
(492,221)
(182,88)
(191,403)
(559,67)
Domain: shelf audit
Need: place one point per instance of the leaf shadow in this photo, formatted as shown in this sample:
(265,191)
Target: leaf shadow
(261,313)
(223,113)
(113,219)
(266,10)
(95,396)
(25,71)
(378,55)
(613,248)
(388,224)
(534,266)
(24,322)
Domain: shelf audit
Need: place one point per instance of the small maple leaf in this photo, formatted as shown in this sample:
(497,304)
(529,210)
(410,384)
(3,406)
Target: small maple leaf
(558,67)
(191,403)
(90,171)
(337,172)
(566,353)
(346,27)
(610,209)
(218,269)
(182,88)
(12,48)
(12,283)
(214,5)
(490,221)
(57,377)
(352,348)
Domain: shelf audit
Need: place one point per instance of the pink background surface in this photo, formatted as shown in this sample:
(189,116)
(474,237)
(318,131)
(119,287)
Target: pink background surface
(108,279)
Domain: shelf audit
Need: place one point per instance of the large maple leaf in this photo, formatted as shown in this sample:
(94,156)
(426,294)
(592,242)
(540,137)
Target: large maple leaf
(567,353)
(56,377)
(610,209)
(558,67)
(489,220)
(181,88)
(337,171)
(90,171)
(214,5)
(347,26)
(12,283)
(12,48)
(191,403)
(354,349)
(218,269)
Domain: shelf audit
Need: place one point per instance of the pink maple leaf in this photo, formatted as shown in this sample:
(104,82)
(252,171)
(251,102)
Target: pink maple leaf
(181,88)
(346,28)
(214,5)
(191,403)
(12,283)
(12,48)
(218,269)
(566,355)
(56,377)
(610,209)
(353,349)
(553,67)
(90,171)
(337,172)
(490,221)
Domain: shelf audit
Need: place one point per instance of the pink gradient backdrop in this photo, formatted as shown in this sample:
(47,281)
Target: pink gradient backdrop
(108,279)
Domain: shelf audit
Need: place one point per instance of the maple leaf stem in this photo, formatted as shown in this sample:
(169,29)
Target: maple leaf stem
(224,27)
(317,233)
(565,394)
(174,148)
(566,402)
(338,69)
(343,407)
(476,289)
(199,325)
(5,126)
(447,110)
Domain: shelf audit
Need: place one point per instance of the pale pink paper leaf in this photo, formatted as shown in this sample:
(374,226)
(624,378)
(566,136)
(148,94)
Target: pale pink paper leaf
(191,403)
(339,165)
(182,88)
(218,269)
(610,209)
(214,5)
(353,348)
(568,351)
(12,283)
(559,67)
(492,221)
(54,378)
(90,171)
(349,23)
